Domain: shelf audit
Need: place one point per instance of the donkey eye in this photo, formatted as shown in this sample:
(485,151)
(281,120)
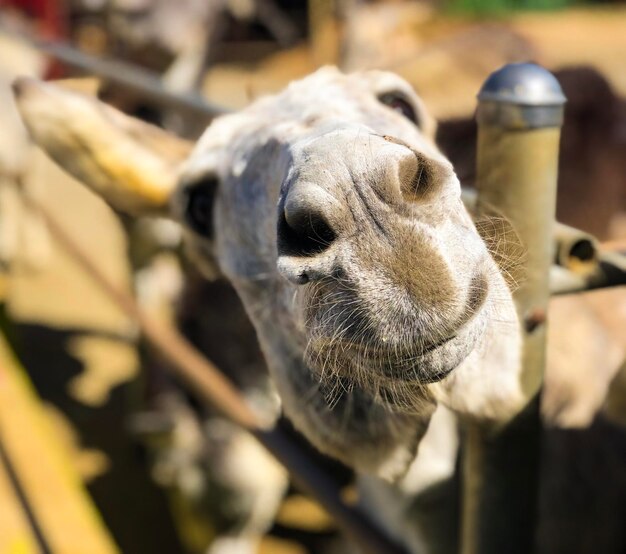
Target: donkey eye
(199,206)
(397,102)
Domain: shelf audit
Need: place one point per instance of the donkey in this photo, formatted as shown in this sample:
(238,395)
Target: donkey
(331,211)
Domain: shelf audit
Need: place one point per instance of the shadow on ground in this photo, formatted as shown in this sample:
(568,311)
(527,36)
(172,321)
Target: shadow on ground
(134,509)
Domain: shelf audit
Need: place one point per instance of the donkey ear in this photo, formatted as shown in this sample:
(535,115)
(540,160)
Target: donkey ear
(131,164)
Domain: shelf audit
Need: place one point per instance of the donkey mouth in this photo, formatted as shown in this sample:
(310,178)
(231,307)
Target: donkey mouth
(420,365)
(423,365)
(438,376)
(394,356)
(368,353)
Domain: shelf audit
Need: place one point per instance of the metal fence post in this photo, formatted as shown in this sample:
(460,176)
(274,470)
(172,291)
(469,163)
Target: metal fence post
(520,112)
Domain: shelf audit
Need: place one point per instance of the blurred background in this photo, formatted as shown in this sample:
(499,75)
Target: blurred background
(101,440)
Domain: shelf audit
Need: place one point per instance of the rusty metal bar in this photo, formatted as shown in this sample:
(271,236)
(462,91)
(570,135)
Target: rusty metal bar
(127,76)
(519,115)
(210,385)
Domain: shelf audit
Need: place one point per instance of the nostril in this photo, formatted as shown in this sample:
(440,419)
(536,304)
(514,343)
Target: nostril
(420,175)
(303,231)
(422,180)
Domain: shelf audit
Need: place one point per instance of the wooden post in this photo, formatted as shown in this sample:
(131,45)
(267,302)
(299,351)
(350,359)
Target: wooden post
(519,115)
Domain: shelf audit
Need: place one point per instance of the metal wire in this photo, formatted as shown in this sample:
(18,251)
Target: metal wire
(127,76)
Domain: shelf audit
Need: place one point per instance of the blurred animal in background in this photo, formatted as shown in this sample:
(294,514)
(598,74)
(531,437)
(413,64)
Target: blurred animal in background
(339,223)
(190,31)
(21,229)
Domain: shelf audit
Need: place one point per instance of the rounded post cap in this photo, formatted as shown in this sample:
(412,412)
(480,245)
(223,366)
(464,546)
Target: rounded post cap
(525,84)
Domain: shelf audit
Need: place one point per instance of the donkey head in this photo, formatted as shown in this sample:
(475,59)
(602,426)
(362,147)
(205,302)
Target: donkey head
(340,224)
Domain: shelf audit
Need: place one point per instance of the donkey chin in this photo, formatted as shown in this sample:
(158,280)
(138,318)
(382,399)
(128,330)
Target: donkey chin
(393,359)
